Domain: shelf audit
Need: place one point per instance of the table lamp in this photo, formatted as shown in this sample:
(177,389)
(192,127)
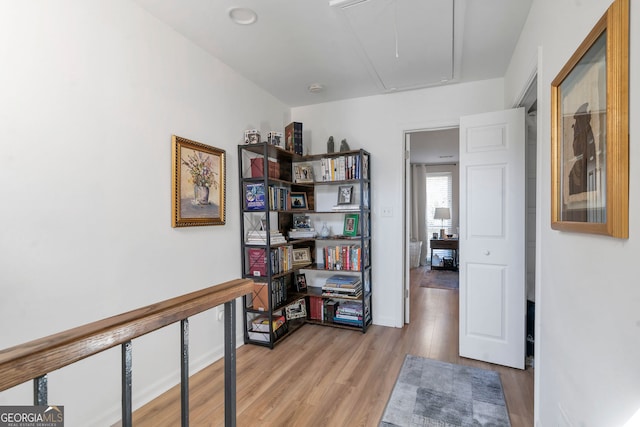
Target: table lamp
(442,214)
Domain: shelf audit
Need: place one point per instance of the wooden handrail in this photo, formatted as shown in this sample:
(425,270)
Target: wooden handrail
(27,361)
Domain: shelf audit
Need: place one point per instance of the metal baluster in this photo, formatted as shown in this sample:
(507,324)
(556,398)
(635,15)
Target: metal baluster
(40,390)
(184,372)
(127,419)
(230,363)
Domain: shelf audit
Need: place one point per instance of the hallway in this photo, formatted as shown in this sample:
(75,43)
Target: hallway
(322,376)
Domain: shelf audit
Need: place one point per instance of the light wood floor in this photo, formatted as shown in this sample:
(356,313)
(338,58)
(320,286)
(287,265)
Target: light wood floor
(322,376)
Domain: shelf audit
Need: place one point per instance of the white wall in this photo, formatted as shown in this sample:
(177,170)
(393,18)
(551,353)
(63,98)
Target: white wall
(588,297)
(376,124)
(91,93)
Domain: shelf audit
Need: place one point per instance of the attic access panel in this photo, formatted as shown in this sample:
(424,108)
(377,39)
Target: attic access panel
(407,44)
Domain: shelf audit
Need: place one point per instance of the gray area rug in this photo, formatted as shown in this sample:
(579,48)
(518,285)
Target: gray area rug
(432,393)
(440,279)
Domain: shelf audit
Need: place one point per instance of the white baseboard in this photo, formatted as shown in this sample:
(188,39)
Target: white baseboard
(114,414)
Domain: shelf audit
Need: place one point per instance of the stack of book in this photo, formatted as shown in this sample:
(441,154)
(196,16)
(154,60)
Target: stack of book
(302,233)
(259,237)
(346,208)
(342,286)
(349,313)
(261,323)
(260,328)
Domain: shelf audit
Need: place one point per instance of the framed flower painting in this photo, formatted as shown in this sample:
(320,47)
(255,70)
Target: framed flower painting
(198,193)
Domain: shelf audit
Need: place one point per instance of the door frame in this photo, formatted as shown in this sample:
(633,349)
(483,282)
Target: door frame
(406,147)
(535,66)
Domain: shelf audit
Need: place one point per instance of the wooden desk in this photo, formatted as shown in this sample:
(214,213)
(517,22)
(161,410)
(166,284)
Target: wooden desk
(446,244)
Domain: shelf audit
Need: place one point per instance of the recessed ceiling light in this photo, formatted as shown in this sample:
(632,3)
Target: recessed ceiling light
(315,88)
(242,15)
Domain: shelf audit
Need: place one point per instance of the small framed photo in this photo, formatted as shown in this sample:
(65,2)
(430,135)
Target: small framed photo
(301,282)
(301,222)
(296,309)
(301,256)
(298,200)
(303,173)
(344,194)
(351,225)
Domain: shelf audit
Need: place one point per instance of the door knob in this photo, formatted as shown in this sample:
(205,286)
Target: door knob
(486,252)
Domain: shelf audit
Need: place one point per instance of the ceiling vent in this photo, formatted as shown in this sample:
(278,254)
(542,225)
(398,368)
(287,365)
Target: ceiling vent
(406,44)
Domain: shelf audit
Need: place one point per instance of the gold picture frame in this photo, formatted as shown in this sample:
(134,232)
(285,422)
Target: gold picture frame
(590,132)
(199,189)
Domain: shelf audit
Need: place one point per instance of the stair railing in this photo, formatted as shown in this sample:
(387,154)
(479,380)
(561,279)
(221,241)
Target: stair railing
(34,359)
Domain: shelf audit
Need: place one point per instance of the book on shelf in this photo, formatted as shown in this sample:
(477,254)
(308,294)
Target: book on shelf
(350,307)
(343,168)
(350,313)
(342,286)
(329,311)
(257,258)
(279,198)
(280,259)
(315,308)
(349,208)
(302,233)
(348,317)
(346,291)
(350,322)
(344,295)
(254,196)
(257,168)
(261,323)
(293,137)
(342,280)
(264,336)
(259,237)
(279,288)
(342,257)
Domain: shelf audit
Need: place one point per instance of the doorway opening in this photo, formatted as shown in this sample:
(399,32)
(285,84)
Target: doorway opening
(413,145)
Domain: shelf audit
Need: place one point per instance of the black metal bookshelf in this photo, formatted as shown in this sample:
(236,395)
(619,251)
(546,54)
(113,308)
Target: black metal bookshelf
(267,180)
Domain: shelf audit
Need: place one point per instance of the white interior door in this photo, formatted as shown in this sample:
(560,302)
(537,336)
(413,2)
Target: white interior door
(492,237)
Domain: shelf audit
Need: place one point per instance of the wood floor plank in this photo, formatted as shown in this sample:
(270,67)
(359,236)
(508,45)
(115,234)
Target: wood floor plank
(323,376)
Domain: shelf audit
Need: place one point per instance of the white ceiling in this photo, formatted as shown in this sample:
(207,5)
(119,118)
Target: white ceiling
(435,146)
(373,47)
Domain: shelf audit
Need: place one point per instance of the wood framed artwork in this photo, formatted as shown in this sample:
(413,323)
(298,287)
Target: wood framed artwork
(351,225)
(590,132)
(298,200)
(198,191)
